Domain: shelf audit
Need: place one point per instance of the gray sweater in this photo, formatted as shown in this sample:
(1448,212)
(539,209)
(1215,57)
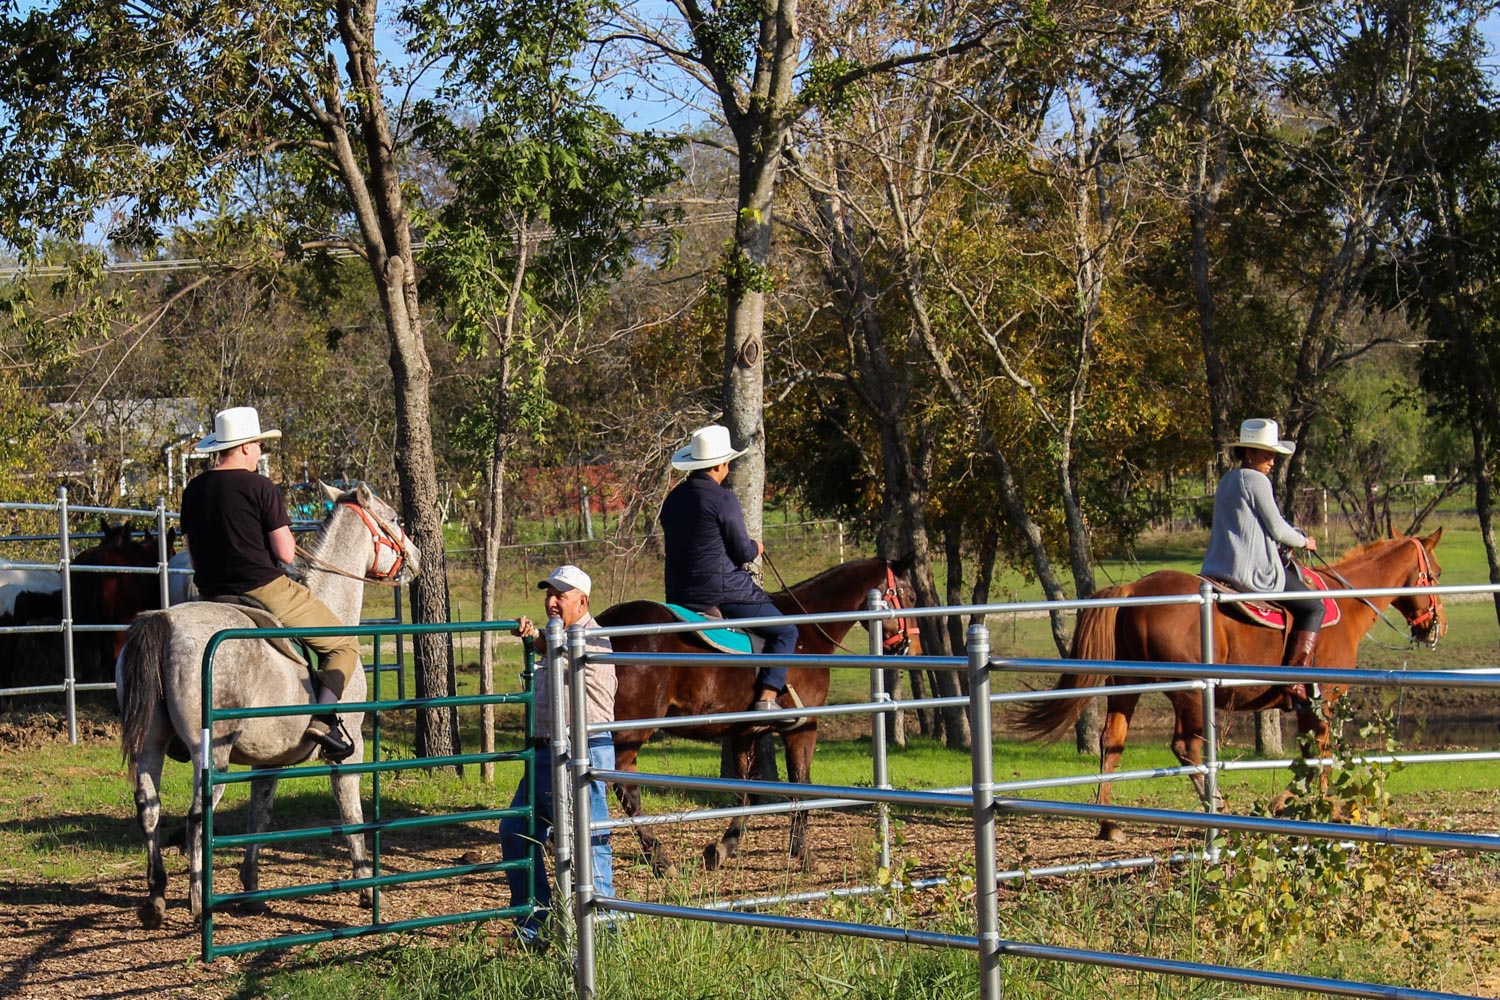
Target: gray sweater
(1247,527)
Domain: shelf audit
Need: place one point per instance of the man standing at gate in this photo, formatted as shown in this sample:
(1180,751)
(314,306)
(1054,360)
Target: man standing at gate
(568,599)
(707,546)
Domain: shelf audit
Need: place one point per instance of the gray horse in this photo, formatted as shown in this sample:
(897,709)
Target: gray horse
(160,681)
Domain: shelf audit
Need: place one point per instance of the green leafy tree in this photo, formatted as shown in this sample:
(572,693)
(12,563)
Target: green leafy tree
(136,116)
(547,196)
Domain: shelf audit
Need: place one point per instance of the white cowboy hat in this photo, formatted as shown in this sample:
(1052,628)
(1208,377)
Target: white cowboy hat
(709,446)
(1265,435)
(233,427)
(566,578)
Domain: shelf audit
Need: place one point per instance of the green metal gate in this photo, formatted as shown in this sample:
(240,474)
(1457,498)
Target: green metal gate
(375,767)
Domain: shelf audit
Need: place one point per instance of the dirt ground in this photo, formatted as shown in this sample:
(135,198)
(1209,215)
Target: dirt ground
(84,939)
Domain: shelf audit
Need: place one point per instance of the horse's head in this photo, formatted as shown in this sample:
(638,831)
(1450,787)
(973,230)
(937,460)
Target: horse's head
(395,558)
(903,637)
(1423,612)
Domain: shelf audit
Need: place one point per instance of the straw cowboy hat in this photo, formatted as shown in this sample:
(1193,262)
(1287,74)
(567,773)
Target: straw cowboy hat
(233,427)
(1265,435)
(709,446)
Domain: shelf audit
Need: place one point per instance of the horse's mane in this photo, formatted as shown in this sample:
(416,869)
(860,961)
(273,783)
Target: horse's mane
(1367,549)
(815,581)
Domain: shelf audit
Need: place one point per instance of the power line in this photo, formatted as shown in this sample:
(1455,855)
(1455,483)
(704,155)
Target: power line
(169,264)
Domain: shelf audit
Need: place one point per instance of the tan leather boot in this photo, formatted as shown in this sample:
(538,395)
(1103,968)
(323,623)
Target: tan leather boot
(1299,653)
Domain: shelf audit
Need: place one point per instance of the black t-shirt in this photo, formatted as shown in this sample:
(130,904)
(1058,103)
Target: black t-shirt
(227,515)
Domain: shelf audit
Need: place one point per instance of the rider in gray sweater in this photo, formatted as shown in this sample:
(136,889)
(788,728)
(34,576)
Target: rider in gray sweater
(1248,528)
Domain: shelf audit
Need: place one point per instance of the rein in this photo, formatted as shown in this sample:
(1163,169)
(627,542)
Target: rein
(896,643)
(381,535)
(1425,578)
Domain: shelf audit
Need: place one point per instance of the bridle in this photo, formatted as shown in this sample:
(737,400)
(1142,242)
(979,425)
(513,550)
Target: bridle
(1427,620)
(389,540)
(898,639)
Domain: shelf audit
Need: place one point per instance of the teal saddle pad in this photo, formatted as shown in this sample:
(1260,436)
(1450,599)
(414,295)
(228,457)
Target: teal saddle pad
(728,640)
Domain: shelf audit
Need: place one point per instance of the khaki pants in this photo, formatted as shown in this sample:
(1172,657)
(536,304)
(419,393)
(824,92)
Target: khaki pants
(296,606)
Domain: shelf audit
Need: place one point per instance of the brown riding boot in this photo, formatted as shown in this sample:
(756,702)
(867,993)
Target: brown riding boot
(1299,653)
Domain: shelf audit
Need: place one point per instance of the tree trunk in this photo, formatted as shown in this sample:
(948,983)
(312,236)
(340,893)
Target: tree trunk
(375,188)
(489,574)
(1268,733)
(1484,496)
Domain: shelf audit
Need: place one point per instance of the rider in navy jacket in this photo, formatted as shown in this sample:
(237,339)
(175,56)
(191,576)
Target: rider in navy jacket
(707,546)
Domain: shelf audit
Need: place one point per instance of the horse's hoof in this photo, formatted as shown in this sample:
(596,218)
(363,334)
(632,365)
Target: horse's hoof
(153,912)
(714,856)
(366,899)
(1111,833)
(255,908)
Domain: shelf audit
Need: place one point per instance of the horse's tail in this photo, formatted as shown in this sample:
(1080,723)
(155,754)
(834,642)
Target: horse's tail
(1093,639)
(140,678)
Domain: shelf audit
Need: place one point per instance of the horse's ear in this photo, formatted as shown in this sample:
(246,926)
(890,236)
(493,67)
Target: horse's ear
(331,492)
(363,493)
(1430,542)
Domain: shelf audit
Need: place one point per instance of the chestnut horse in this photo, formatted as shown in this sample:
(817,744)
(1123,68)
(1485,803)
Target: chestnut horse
(649,692)
(1170,634)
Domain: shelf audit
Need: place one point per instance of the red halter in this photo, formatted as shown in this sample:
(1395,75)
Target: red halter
(899,638)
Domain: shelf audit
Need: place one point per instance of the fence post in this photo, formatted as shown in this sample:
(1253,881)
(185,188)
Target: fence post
(986,889)
(161,552)
(1210,721)
(65,573)
(562,817)
(583,836)
(878,696)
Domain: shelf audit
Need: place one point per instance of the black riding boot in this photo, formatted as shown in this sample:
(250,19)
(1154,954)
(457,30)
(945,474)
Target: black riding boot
(328,732)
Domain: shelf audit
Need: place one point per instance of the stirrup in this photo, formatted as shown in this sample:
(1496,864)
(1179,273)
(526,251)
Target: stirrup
(327,732)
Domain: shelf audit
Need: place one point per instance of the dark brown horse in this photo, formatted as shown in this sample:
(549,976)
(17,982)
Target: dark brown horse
(1170,634)
(648,692)
(114,598)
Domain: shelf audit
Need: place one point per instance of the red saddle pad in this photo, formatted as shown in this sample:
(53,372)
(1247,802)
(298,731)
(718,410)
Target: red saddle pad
(1274,616)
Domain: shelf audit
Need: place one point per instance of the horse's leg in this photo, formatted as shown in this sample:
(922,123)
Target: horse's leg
(719,851)
(1187,739)
(194,827)
(262,793)
(1118,711)
(351,812)
(147,770)
(630,803)
(799,755)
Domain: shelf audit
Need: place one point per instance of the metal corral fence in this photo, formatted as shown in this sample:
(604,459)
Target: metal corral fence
(982,799)
(68,629)
(375,767)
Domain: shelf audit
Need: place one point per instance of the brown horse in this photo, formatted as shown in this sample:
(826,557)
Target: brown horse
(114,598)
(648,692)
(1170,634)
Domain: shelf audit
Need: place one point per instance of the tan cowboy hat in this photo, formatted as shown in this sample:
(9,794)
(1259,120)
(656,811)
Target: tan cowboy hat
(707,447)
(233,427)
(1264,434)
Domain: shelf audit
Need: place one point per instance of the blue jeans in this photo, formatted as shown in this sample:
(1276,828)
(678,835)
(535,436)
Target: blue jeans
(514,843)
(780,639)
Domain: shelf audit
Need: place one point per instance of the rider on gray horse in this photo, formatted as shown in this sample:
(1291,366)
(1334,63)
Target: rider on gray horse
(239,534)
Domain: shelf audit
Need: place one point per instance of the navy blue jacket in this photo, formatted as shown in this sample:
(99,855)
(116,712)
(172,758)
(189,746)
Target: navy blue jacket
(707,545)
